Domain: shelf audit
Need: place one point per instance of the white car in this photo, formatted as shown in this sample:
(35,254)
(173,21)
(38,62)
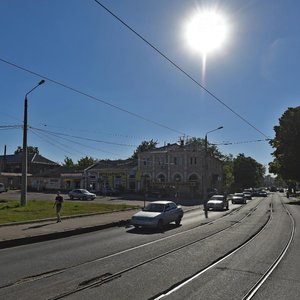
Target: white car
(238,198)
(217,202)
(157,214)
(81,194)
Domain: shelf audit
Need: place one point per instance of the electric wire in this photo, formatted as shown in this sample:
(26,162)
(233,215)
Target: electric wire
(89,96)
(61,136)
(84,138)
(50,141)
(180,68)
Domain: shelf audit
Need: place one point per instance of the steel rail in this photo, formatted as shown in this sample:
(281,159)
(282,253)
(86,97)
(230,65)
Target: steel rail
(93,282)
(271,269)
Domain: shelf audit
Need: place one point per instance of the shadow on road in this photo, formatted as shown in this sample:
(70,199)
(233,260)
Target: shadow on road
(294,202)
(148,231)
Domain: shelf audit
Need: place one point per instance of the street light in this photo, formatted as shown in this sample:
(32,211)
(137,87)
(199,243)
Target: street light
(24,152)
(205,162)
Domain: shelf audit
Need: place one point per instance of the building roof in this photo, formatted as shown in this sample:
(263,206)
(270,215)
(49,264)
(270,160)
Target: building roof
(32,158)
(177,147)
(123,164)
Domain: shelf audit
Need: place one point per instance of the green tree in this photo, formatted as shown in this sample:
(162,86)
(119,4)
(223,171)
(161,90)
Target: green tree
(247,172)
(30,150)
(228,178)
(286,161)
(85,162)
(68,162)
(212,150)
(144,146)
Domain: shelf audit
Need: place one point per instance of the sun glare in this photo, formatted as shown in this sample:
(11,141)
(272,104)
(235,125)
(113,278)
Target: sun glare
(206,31)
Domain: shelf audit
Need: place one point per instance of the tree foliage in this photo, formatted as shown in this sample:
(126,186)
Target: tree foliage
(211,149)
(286,161)
(228,178)
(30,150)
(68,162)
(85,162)
(247,172)
(144,146)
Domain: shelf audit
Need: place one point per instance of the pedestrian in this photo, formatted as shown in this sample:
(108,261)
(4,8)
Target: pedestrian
(58,204)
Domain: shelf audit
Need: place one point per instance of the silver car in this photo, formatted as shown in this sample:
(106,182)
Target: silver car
(238,198)
(217,202)
(81,194)
(157,214)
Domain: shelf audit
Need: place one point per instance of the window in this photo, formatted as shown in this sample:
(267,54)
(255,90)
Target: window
(161,178)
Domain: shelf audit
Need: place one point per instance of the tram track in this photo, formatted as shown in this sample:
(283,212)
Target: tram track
(259,283)
(107,276)
(104,278)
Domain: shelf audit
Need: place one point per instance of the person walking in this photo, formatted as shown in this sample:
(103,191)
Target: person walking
(58,204)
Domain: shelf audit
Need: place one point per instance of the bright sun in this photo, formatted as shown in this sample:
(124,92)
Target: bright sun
(206,31)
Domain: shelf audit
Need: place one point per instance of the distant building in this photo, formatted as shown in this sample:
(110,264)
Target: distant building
(178,170)
(111,174)
(11,168)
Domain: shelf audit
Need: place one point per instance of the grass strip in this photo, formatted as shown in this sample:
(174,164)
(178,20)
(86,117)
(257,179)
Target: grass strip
(11,210)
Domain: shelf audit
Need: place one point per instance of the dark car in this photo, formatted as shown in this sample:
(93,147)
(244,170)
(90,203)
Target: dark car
(238,198)
(108,191)
(262,194)
(217,202)
(81,194)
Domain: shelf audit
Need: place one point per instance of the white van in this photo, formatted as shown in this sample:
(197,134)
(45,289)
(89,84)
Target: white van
(2,187)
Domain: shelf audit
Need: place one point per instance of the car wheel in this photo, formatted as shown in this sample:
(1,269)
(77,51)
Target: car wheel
(178,221)
(160,225)
(71,197)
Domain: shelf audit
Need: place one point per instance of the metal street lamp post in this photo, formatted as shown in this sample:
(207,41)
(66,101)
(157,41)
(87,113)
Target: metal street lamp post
(24,151)
(206,168)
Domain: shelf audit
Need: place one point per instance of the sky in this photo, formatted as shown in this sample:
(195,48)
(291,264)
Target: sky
(106,90)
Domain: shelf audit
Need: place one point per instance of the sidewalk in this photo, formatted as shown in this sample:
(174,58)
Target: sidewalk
(12,235)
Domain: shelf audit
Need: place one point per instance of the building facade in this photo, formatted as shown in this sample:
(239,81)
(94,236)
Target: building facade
(11,168)
(182,170)
(111,174)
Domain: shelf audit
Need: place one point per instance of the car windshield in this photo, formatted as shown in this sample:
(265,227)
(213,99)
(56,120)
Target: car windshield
(84,191)
(216,198)
(155,207)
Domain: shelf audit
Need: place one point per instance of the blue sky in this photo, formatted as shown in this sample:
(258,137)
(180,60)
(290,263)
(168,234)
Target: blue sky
(139,95)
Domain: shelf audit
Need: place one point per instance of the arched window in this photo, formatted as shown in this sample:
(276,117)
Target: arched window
(161,178)
(177,178)
(193,177)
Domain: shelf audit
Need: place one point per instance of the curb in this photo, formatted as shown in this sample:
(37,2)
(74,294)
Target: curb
(64,217)
(59,235)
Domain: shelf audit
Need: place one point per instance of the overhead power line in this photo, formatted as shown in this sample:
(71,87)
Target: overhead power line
(241,142)
(84,138)
(90,96)
(179,68)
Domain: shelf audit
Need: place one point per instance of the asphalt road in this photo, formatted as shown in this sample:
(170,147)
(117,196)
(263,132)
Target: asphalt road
(125,263)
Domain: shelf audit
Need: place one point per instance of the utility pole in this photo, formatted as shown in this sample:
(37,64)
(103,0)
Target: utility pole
(24,151)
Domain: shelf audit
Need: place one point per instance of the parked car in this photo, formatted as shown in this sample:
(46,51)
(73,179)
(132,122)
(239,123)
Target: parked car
(157,214)
(108,191)
(238,198)
(2,188)
(81,194)
(218,202)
